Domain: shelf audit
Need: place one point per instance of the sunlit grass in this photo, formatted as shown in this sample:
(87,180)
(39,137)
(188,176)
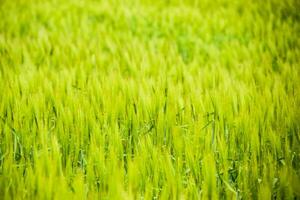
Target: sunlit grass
(149,99)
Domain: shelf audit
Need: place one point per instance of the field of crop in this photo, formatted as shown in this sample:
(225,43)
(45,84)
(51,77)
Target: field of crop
(149,99)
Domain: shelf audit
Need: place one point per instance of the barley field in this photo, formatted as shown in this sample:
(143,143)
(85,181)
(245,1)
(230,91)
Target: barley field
(149,99)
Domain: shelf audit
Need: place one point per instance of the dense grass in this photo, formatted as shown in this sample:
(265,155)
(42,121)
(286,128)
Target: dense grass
(149,99)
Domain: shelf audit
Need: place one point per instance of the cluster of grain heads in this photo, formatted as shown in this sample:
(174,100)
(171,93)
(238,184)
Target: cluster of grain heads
(145,99)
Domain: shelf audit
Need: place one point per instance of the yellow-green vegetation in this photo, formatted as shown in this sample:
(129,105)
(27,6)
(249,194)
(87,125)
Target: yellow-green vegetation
(149,99)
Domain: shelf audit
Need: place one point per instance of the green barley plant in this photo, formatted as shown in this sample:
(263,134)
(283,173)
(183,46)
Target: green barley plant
(149,99)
